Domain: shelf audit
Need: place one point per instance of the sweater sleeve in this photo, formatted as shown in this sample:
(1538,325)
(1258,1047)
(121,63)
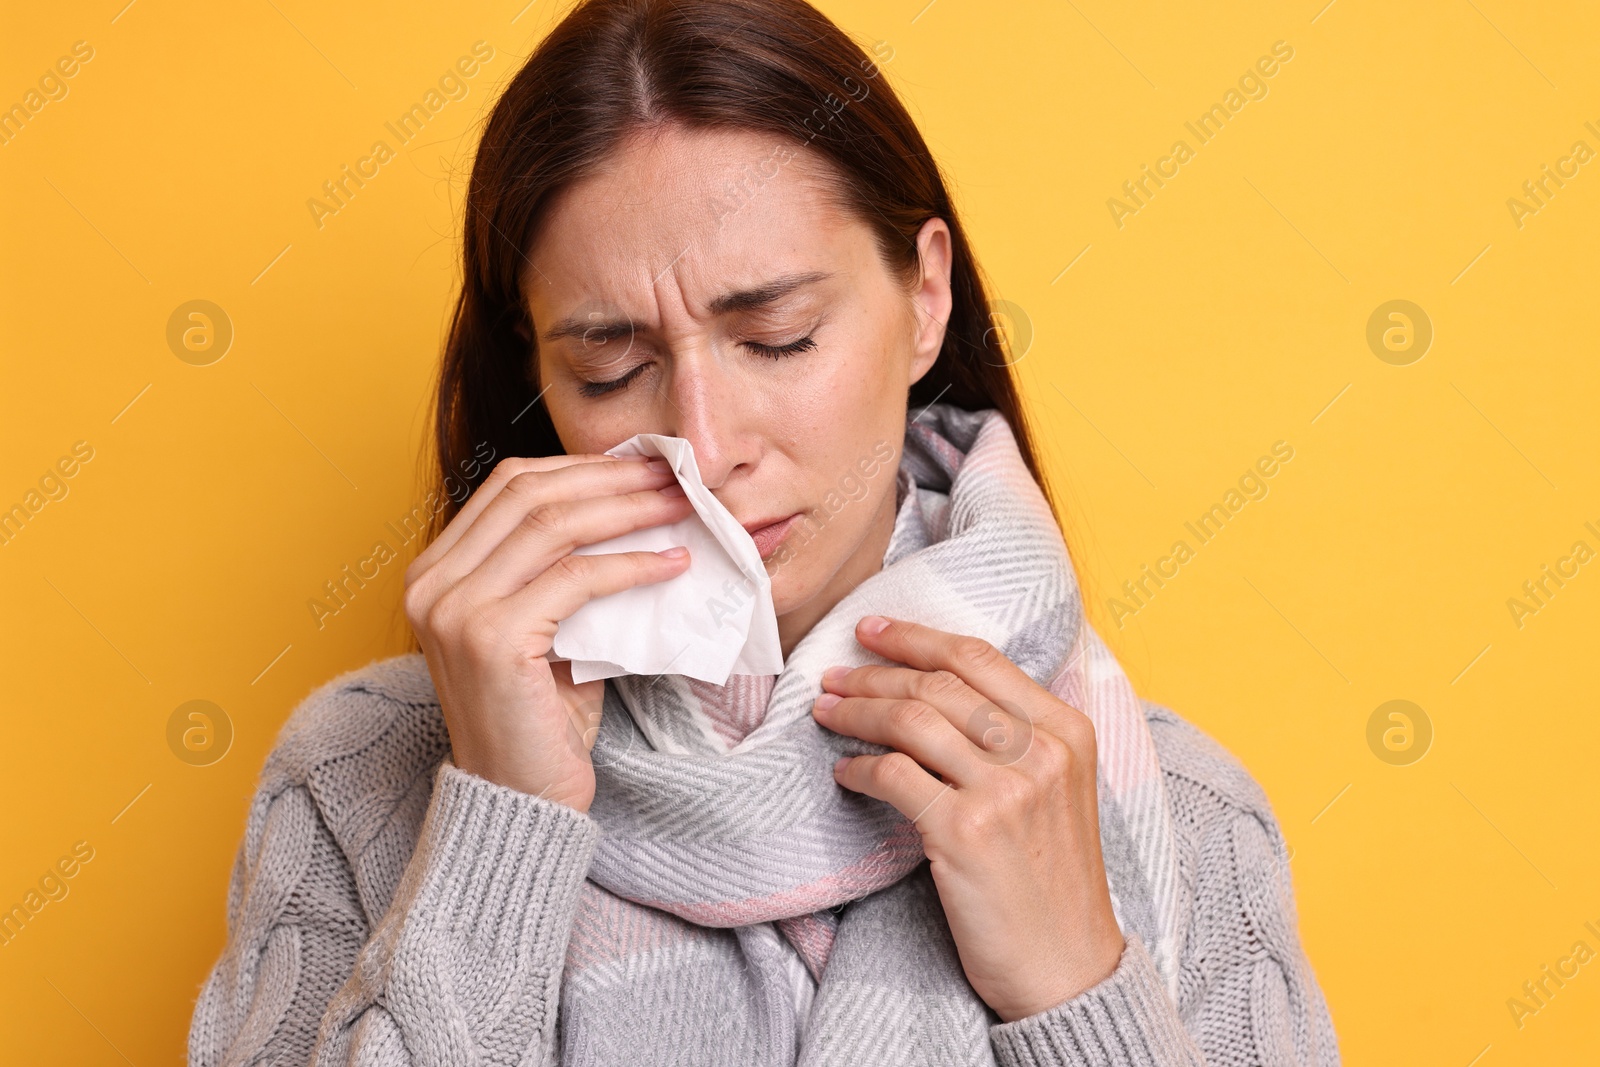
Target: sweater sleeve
(1127,1019)
(464,966)
(1248,995)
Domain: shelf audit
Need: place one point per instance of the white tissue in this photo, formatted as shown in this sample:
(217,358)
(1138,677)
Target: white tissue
(713,620)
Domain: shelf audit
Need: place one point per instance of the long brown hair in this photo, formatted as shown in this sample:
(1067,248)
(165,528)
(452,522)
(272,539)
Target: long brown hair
(615,68)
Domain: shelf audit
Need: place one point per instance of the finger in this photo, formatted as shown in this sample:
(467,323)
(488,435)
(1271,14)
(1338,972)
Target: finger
(998,733)
(528,491)
(973,660)
(479,499)
(544,537)
(529,617)
(944,689)
(918,729)
(896,779)
(503,473)
(518,485)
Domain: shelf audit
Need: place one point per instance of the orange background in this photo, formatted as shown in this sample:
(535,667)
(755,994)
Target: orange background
(1167,354)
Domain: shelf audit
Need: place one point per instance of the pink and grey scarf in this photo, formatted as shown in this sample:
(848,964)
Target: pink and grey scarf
(723,830)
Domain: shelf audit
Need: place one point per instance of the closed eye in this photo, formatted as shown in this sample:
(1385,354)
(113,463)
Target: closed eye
(602,388)
(594,389)
(779,351)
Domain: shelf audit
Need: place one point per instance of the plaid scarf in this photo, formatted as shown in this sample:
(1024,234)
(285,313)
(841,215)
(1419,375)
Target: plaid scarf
(722,827)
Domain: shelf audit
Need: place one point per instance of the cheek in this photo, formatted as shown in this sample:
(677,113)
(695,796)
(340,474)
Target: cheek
(578,436)
(855,392)
(830,420)
(859,401)
(588,427)
(589,433)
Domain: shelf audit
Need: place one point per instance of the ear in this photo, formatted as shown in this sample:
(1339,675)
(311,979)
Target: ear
(932,299)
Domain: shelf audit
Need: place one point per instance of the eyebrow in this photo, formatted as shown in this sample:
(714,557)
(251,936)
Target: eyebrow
(752,299)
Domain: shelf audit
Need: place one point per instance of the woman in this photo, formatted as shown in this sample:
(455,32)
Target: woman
(947,832)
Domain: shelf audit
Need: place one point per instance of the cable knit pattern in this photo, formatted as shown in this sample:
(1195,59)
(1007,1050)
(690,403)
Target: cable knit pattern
(387,908)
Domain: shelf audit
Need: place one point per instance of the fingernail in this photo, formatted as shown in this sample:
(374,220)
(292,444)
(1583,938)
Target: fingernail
(873,624)
(671,490)
(827,700)
(660,466)
(834,675)
(839,763)
(675,552)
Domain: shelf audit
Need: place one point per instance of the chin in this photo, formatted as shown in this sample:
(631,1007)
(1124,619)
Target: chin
(793,587)
(812,566)
(785,597)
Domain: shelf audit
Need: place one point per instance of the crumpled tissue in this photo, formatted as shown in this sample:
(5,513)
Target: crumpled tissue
(714,620)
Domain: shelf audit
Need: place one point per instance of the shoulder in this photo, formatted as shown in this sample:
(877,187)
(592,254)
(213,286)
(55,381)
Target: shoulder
(350,712)
(364,746)
(1209,791)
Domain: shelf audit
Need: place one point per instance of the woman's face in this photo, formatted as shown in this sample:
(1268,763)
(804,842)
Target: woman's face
(702,287)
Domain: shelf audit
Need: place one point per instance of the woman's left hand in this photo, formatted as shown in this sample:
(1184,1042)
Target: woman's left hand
(1012,831)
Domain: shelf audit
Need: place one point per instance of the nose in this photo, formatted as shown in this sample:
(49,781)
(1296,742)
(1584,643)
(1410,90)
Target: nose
(704,406)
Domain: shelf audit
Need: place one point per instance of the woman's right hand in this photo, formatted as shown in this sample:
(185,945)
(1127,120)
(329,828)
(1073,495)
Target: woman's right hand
(485,597)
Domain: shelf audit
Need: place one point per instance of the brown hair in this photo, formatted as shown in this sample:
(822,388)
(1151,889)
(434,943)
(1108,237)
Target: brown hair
(612,69)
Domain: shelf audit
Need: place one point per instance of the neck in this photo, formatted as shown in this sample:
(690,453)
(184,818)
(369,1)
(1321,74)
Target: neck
(866,561)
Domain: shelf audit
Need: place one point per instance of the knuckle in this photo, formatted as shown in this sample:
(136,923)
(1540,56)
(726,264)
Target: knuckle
(976,651)
(892,768)
(1077,735)
(651,502)
(416,601)
(525,484)
(443,615)
(975,822)
(1052,755)
(1012,794)
(865,677)
(910,715)
(570,569)
(507,470)
(942,685)
(545,520)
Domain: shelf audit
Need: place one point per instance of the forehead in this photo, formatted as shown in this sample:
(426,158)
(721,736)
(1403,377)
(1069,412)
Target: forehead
(700,211)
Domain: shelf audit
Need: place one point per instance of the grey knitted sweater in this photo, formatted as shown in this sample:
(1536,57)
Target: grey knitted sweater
(373,918)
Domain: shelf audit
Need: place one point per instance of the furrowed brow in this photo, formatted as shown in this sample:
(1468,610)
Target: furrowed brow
(764,295)
(593,330)
(768,293)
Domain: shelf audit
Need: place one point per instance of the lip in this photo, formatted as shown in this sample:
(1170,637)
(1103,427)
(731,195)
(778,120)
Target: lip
(769,533)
